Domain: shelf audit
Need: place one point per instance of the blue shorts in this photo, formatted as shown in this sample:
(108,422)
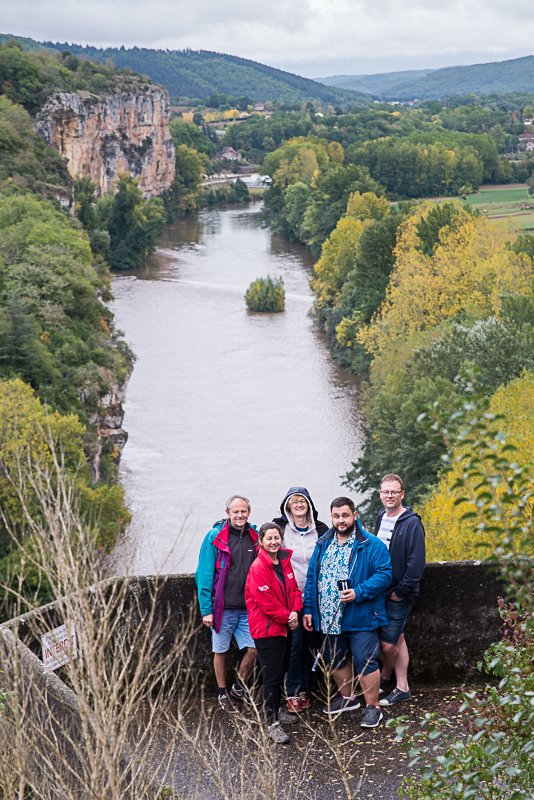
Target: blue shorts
(363,646)
(234,623)
(397,612)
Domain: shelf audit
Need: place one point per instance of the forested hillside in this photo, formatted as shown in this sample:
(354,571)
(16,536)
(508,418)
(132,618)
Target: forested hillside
(498,77)
(29,75)
(199,73)
(61,360)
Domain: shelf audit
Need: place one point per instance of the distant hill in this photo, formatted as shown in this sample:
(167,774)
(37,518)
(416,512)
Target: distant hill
(199,73)
(27,44)
(496,77)
(374,84)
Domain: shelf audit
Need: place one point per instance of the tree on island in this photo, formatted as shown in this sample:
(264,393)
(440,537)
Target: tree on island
(266,294)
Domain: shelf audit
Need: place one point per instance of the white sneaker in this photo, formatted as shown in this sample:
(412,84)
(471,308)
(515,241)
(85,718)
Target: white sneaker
(278,734)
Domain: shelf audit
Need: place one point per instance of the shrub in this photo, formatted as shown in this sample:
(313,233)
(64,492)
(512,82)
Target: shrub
(492,758)
(266,294)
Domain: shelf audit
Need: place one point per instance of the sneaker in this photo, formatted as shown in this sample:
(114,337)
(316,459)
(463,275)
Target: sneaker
(225,703)
(396,696)
(286,717)
(294,704)
(371,717)
(237,692)
(341,704)
(305,701)
(278,734)
(386,685)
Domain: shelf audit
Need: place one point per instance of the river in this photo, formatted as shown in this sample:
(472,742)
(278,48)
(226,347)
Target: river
(222,400)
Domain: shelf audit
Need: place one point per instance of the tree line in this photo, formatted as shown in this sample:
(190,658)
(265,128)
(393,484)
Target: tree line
(424,300)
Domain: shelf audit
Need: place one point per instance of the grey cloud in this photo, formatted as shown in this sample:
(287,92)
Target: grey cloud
(312,37)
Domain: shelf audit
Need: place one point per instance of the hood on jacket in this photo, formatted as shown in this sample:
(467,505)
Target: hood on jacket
(406,514)
(284,511)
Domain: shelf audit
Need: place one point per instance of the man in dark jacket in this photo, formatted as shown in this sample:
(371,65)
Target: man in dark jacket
(403,533)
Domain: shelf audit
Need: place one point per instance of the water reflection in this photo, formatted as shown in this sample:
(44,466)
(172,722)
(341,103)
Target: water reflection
(222,400)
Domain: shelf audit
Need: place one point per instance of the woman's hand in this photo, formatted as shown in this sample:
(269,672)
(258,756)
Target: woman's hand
(293,620)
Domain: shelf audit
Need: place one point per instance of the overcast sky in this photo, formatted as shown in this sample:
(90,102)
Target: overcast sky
(310,37)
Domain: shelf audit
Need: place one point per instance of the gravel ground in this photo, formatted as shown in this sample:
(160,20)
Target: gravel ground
(210,755)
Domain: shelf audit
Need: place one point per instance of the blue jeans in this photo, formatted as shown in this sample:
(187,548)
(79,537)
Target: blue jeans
(300,660)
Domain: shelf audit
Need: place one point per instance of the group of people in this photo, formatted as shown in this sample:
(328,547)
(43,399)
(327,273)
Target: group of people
(297,589)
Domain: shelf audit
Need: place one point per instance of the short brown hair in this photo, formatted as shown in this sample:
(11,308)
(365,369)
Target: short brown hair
(392,477)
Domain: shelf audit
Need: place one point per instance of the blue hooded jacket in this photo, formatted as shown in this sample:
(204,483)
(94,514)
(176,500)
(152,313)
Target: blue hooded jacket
(370,575)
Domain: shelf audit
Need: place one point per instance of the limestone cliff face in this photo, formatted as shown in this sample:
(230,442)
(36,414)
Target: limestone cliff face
(102,137)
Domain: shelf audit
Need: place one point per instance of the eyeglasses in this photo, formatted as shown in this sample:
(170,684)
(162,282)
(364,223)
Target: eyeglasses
(391,492)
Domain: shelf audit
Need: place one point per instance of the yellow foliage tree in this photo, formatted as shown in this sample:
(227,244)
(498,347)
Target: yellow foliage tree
(449,538)
(467,273)
(28,434)
(336,153)
(300,159)
(339,253)
(31,437)
(367,206)
(337,259)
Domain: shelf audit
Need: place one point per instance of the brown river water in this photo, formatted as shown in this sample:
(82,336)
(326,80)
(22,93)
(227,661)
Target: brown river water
(222,400)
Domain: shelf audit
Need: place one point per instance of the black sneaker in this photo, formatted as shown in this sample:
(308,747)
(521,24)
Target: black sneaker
(396,696)
(386,685)
(226,704)
(340,705)
(371,717)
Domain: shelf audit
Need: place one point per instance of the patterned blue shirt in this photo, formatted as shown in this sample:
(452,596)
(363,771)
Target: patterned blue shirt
(334,567)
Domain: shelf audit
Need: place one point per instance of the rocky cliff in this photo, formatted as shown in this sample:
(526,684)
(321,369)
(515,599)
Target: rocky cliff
(104,136)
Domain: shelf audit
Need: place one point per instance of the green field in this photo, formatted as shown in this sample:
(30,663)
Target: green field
(513,202)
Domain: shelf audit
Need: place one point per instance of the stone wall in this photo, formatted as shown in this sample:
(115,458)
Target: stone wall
(102,137)
(454,621)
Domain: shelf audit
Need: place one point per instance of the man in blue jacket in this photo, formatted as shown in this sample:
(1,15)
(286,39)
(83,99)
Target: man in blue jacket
(403,534)
(348,575)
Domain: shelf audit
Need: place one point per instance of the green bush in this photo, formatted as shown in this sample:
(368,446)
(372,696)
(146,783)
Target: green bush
(266,294)
(491,757)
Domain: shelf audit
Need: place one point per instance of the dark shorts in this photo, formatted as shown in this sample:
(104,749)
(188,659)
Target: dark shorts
(397,612)
(363,647)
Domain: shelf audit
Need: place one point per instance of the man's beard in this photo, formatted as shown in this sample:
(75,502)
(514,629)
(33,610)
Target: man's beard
(347,531)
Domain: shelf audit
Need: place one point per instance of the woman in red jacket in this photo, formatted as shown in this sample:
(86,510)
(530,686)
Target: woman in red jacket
(273,600)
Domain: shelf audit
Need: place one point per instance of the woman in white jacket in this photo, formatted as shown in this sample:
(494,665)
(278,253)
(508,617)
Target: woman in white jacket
(300,531)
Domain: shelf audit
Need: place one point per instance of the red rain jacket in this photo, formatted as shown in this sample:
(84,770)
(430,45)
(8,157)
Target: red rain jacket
(268,602)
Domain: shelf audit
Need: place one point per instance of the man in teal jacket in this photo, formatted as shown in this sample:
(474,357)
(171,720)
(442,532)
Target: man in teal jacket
(226,555)
(349,573)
